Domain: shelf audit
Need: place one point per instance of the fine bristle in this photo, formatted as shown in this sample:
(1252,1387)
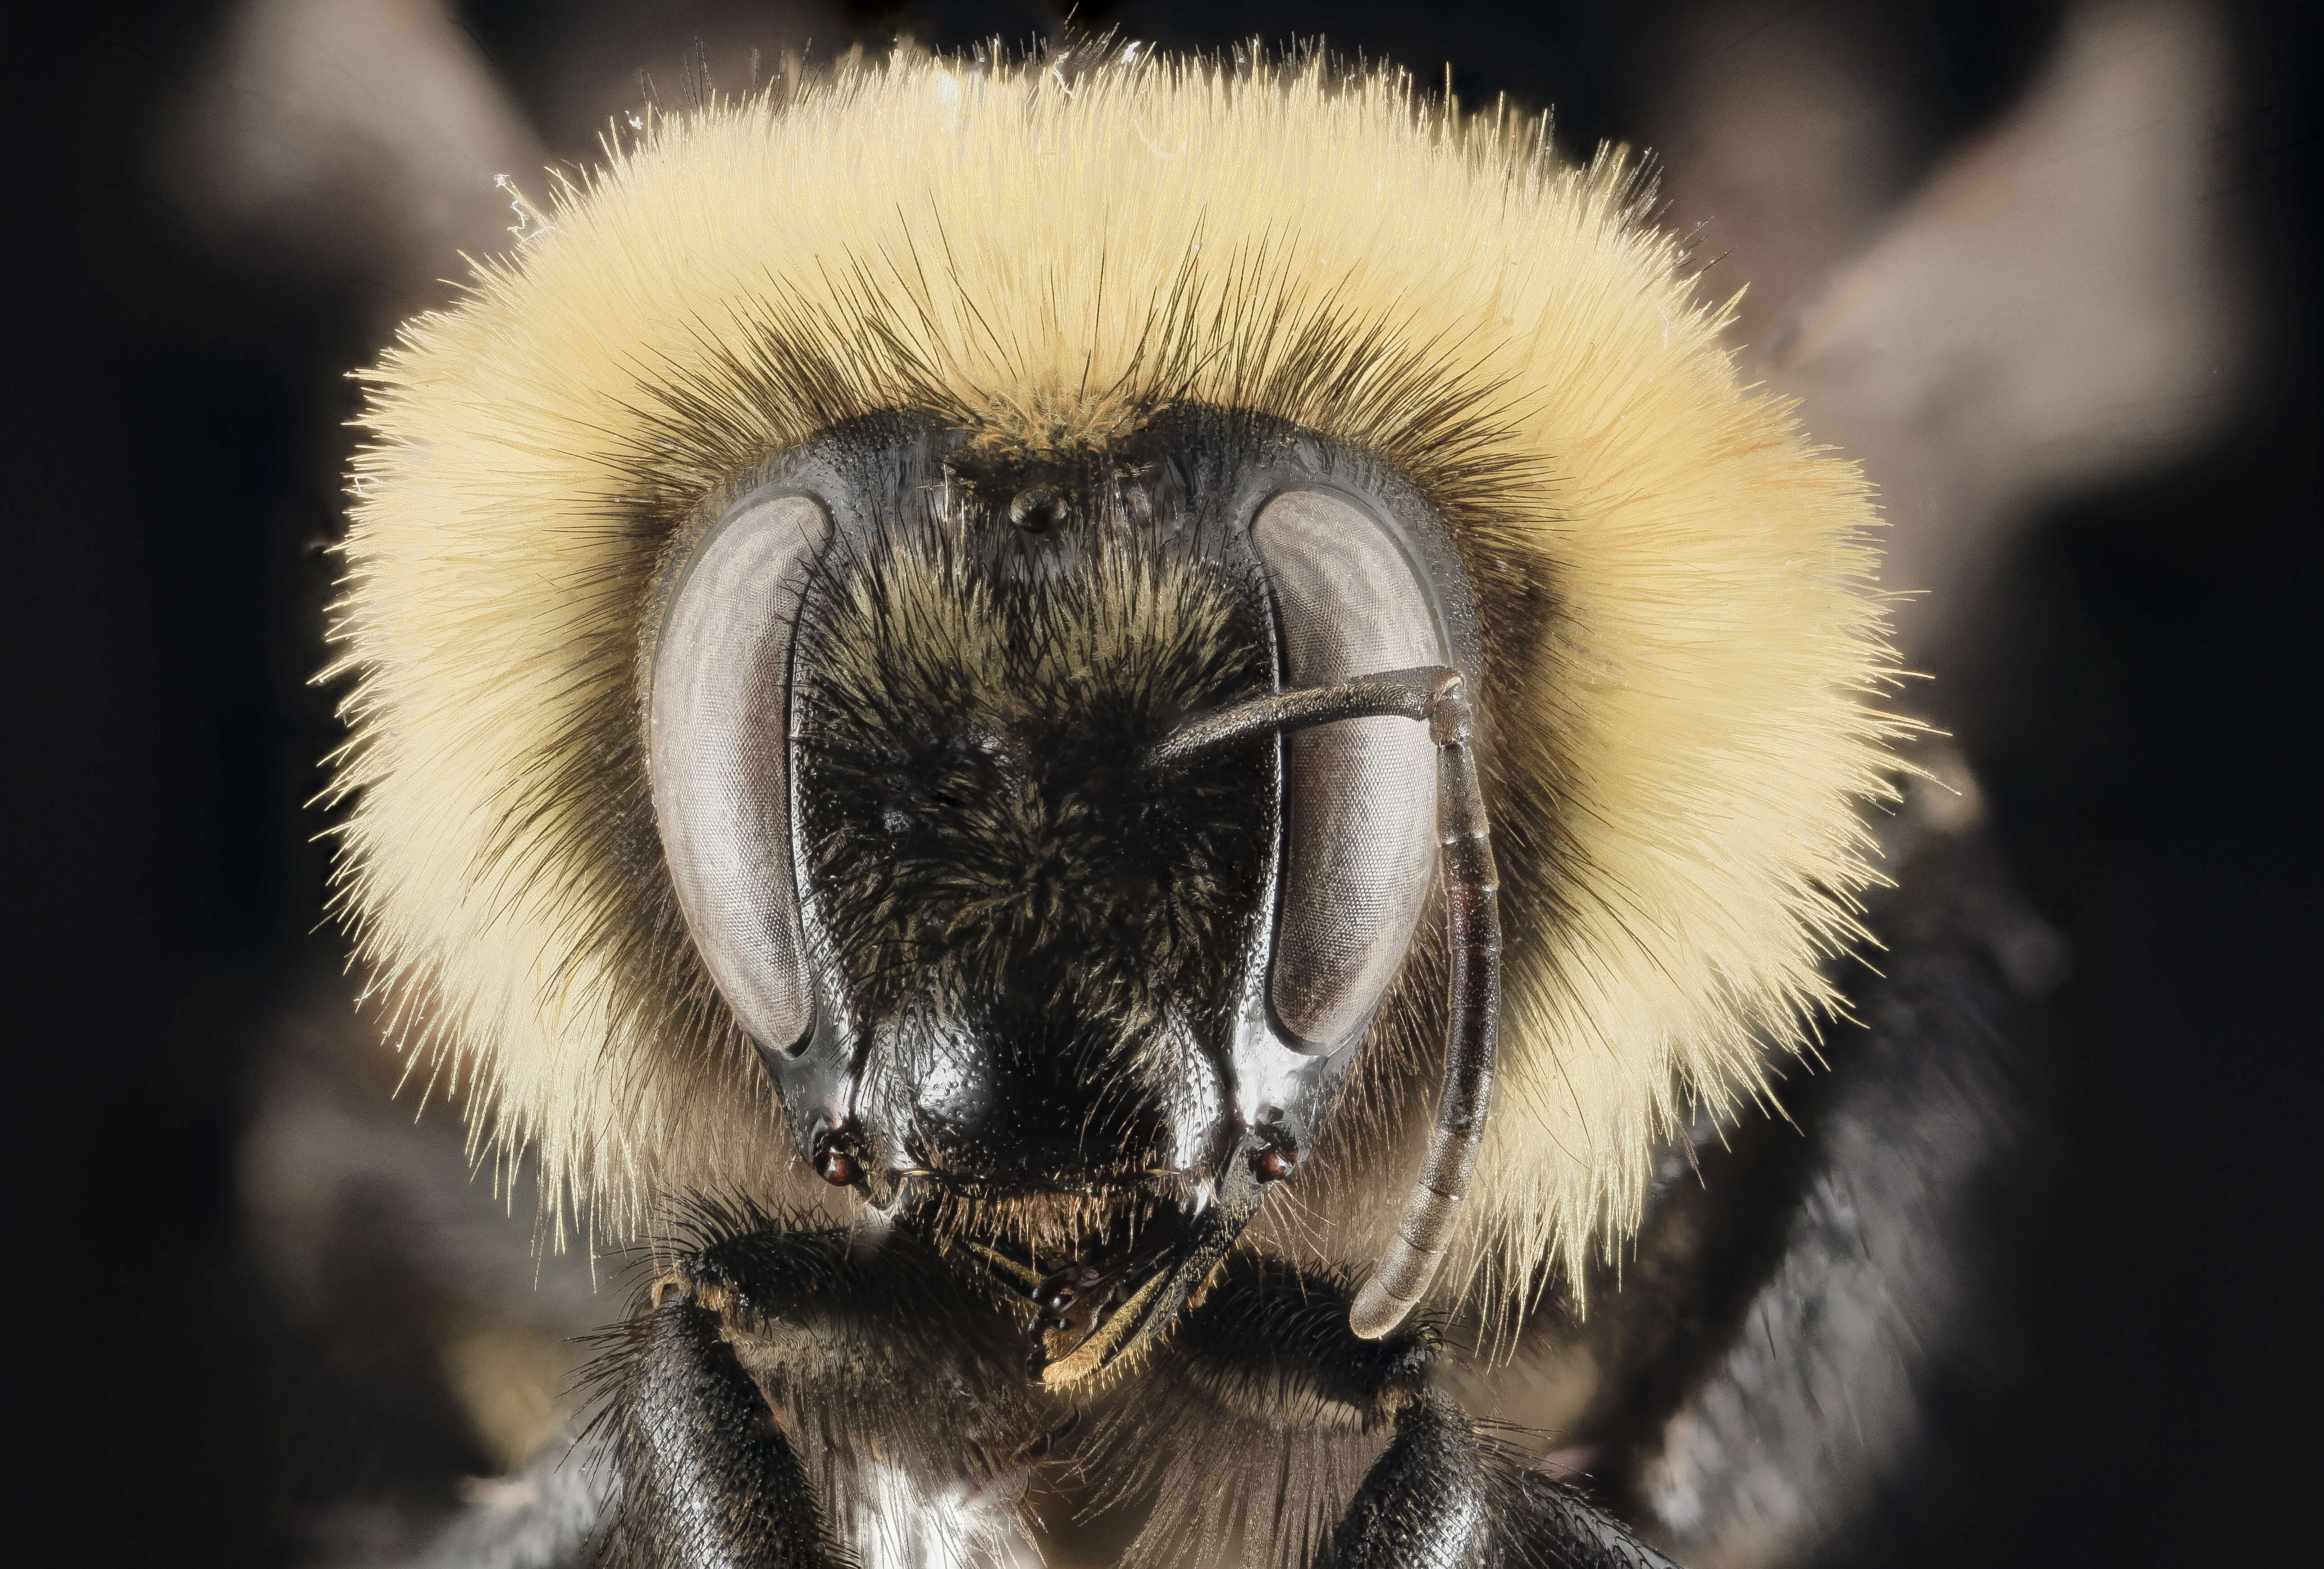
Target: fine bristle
(1683,659)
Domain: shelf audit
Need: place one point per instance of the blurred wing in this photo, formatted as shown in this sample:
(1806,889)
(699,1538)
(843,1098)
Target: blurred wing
(2054,308)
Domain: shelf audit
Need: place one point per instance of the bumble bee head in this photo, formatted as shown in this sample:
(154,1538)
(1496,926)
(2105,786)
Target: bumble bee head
(1008,977)
(760,591)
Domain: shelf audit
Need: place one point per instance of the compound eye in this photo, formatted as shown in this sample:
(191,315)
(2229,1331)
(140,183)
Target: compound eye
(1360,797)
(719,718)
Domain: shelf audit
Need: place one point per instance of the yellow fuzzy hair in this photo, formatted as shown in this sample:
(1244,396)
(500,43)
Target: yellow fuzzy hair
(1679,742)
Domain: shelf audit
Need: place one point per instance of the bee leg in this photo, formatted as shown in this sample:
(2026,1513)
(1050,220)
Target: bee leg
(703,1475)
(803,1399)
(1443,1495)
(1424,1506)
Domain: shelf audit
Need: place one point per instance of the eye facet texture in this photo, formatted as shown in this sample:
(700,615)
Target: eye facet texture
(719,715)
(1359,797)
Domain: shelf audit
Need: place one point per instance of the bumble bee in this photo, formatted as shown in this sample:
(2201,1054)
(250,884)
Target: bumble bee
(1097,749)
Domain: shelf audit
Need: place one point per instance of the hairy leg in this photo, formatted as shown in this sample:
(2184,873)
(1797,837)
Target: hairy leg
(807,1399)
(1275,1345)
(706,1479)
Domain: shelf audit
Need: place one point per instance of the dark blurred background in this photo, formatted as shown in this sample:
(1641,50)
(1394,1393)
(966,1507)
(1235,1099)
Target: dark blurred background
(2046,268)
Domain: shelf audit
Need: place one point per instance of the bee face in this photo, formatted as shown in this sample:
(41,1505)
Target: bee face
(902,555)
(1036,948)
(897,702)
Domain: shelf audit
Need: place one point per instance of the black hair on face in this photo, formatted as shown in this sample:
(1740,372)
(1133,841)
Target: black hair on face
(973,818)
